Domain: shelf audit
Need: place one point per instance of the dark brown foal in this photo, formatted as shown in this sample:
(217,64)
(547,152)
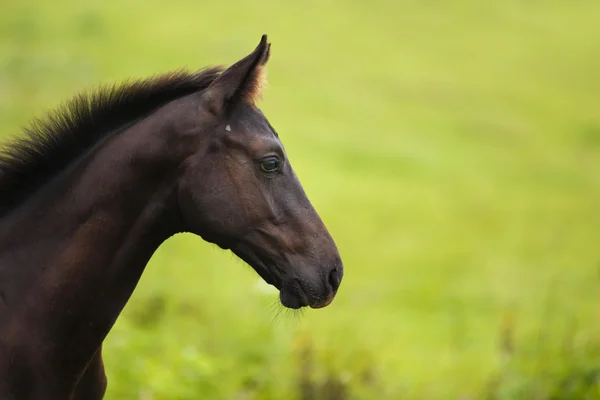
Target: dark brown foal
(90,193)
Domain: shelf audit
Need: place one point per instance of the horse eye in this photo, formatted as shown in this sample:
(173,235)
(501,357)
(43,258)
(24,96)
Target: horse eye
(270,164)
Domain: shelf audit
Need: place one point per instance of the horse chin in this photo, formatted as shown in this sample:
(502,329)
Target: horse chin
(292,295)
(296,293)
(224,246)
(291,300)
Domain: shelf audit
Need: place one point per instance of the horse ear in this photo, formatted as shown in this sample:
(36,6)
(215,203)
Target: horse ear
(243,81)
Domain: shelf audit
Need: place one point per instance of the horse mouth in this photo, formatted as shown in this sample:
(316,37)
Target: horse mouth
(324,303)
(298,300)
(295,295)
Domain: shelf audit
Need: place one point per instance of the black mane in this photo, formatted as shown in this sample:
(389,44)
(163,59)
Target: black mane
(51,144)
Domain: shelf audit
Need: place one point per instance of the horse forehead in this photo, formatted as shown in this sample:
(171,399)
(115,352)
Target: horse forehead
(255,125)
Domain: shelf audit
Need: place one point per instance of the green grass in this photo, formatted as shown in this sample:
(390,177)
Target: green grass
(453,150)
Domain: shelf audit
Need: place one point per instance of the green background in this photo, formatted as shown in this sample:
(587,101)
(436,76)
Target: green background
(451,147)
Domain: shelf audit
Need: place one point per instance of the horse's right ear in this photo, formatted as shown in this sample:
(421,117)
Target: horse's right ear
(243,81)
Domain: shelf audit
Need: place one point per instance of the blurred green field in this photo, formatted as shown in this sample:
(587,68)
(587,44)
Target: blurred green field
(453,150)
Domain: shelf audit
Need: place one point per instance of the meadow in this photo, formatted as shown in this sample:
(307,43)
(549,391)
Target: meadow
(453,150)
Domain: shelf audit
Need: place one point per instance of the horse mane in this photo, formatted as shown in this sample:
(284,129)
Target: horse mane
(50,144)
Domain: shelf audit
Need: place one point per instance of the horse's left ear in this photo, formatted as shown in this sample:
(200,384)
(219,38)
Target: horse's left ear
(243,81)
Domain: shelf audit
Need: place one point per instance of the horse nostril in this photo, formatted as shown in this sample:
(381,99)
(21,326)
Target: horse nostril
(335,278)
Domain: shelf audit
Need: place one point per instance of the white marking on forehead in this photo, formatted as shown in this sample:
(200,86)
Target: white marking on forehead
(228,128)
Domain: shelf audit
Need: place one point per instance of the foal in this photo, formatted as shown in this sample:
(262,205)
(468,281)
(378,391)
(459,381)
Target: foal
(88,195)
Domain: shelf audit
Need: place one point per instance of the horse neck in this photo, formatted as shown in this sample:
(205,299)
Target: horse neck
(83,247)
